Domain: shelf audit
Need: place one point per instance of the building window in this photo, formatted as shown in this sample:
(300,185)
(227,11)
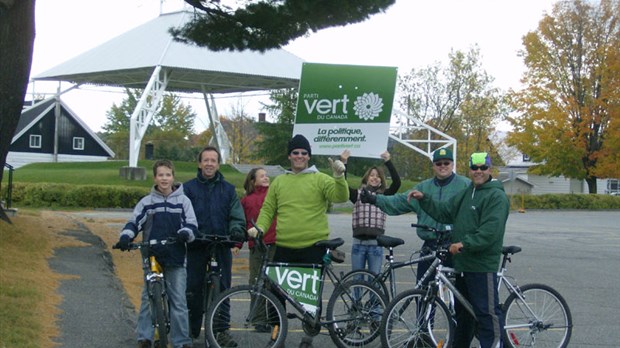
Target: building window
(35,141)
(526,158)
(78,143)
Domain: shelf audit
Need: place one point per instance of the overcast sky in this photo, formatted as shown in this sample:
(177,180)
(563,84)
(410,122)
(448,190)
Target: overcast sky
(410,34)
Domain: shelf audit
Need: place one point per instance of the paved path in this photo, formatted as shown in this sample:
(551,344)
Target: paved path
(576,252)
(96,312)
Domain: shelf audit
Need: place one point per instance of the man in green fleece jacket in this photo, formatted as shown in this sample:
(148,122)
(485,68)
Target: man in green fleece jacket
(441,187)
(479,215)
(299,200)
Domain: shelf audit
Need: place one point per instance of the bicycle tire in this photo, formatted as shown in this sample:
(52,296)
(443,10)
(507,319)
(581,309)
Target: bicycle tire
(355,310)
(159,312)
(364,274)
(231,311)
(544,320)
(403,326)
(212,290)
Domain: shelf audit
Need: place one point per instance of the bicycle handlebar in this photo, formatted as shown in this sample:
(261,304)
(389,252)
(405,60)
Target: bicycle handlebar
(442,236)
(148,243)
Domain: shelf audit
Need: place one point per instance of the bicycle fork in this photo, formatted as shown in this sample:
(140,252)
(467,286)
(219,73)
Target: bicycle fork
(156,275)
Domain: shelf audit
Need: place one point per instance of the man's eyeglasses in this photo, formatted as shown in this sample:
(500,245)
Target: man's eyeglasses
(297,153)
(444,164)
(474,168)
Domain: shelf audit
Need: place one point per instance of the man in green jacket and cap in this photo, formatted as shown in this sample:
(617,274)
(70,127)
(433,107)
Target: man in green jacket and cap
(479,215)
(441,187)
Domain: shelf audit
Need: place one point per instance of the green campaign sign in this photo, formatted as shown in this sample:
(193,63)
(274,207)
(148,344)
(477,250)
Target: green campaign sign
(345,107)
(301,283)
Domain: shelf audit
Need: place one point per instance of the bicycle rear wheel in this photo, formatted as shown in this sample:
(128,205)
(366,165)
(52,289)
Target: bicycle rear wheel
(355,308)
(234,312)
(413,319)
(159,312)
(540,318)
(369,276)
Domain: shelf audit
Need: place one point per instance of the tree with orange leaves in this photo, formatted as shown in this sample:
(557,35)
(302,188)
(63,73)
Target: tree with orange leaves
(569,109)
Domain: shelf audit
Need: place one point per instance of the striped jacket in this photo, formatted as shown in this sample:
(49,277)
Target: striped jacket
(159,217)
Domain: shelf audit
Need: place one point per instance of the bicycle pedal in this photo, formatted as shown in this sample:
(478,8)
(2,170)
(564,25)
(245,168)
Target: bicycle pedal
(291,316)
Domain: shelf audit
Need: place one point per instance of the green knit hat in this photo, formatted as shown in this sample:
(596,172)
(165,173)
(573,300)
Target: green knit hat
(479,159)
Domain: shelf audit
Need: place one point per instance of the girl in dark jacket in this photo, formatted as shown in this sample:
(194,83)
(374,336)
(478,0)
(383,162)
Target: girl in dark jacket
(368,220)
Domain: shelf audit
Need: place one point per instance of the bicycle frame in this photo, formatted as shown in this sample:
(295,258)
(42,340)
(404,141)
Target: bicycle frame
(325,268)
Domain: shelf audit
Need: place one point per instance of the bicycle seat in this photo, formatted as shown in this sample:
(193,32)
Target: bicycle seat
(330,244)
(389,242)
(513,249)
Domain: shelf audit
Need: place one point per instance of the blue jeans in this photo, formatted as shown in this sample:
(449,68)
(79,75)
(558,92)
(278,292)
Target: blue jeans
(179,324)
(371,255)
(362,254)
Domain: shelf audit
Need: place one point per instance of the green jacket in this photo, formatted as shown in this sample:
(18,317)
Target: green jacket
(299,202)
(479,216)
(398,205)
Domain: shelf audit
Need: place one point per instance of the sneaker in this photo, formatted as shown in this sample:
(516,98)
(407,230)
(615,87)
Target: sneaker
(225,340)
(144,344)
(262,328)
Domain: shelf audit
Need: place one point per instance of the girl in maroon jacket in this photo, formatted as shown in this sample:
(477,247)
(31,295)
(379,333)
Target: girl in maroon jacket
(256,185)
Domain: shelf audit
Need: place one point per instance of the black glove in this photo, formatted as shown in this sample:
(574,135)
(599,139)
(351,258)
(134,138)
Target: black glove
(123,242)
(367,197)
(184,236)
(238,236)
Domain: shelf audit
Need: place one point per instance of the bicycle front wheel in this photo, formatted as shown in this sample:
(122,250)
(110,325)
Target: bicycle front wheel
(414,319)
(539,317)
(212,290)
(354,310)
(233,320)
(159,312)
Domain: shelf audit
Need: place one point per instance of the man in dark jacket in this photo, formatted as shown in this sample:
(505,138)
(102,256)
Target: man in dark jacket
(219,212)
(479,215)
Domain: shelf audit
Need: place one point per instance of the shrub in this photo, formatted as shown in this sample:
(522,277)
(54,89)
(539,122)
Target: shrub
(565,201)
(76,196)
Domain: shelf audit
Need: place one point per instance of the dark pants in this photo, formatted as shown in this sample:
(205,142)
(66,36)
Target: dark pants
(309,254)
(424,265)
(480,289)
(256,261)
(197,259)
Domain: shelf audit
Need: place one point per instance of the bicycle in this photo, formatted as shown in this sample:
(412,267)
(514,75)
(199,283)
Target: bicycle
(156,287)
(351,320)
(431,321)
(212,282)
(388,274)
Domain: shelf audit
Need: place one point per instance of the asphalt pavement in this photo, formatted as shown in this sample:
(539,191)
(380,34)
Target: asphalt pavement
(575,252)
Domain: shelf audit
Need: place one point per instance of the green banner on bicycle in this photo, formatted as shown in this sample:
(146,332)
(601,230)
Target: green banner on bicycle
(301,283)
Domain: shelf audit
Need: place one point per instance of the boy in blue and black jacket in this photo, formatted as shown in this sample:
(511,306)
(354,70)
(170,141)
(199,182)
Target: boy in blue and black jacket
(165,212)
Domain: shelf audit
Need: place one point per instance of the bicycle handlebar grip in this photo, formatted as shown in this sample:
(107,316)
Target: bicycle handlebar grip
(426,227)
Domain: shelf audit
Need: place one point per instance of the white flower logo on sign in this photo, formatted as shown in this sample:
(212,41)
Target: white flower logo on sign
(368,106)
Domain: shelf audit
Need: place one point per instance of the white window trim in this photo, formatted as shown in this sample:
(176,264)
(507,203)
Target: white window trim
(80,142)
(35,141)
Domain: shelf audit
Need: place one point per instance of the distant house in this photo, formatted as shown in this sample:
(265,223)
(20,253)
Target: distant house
(39,138)
(517,180)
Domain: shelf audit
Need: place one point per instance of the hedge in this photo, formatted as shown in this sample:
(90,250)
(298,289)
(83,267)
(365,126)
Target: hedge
(75,196)
(105,196)
(565,201)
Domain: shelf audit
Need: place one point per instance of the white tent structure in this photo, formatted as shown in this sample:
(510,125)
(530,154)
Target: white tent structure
(148,58)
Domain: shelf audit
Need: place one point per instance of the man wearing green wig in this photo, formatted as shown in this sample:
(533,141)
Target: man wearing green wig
(479,215)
